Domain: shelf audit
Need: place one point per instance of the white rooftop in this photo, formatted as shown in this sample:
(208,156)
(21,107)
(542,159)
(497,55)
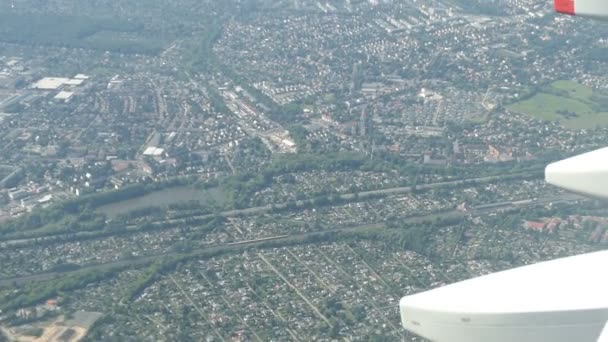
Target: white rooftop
(64,95)
(289,143)
(153,151)
(50,83)
(45,199)
(53,83)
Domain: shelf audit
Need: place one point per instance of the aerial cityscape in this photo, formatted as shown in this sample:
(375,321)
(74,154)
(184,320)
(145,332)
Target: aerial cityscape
(282,170)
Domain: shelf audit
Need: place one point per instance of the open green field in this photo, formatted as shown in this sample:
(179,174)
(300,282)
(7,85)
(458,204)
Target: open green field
(573,105)
(576,90)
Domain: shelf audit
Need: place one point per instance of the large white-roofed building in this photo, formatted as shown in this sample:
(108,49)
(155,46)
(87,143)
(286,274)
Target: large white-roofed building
(152,151)
(56,83)
(50,83)
(64,95)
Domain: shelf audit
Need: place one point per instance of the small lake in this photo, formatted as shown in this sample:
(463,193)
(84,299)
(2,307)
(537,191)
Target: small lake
(161,198)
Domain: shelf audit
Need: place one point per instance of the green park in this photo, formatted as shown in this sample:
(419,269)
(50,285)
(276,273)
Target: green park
(573,105)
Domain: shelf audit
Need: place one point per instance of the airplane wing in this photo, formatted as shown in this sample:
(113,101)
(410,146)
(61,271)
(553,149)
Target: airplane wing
(561,300)
(604,335)
(586,174)
(585,8)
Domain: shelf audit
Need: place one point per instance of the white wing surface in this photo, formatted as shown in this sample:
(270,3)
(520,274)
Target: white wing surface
(586,174)
(562,300)
(604,335)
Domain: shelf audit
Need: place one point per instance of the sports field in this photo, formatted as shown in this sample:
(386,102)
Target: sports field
(573,105)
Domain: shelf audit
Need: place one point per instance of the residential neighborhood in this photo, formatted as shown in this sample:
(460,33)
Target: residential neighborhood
(282,170)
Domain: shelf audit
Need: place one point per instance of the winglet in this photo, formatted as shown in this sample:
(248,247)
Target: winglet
(564,6)
(596,9)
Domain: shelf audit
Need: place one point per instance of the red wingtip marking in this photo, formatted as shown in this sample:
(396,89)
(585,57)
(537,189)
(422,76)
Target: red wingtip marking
(564,6)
